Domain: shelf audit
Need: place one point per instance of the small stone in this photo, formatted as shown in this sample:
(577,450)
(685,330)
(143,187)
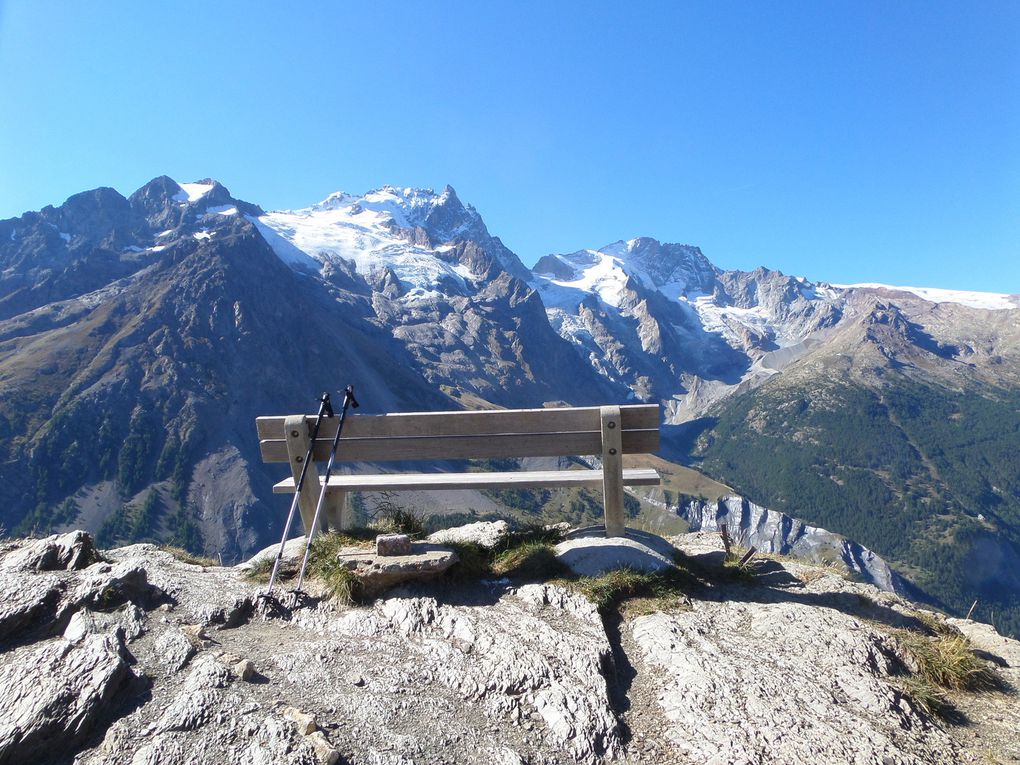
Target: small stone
(306,723)
(245,670)
(392,544)
(324,751)
(196,634)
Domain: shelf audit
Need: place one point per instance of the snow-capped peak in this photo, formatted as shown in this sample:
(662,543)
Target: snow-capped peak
(403,207)
(673,269)
(371,231)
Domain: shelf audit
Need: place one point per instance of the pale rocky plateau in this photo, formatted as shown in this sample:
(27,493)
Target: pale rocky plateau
(132,655)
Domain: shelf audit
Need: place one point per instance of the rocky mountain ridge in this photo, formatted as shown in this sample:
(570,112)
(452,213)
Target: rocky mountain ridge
(139,336)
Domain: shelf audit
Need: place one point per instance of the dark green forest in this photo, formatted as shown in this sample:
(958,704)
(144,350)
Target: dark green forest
(926,476)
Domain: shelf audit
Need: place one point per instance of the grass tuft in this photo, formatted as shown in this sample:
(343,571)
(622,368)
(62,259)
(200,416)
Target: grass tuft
(395,519)
(187,557)
(529,560)
(340,582)
(262,570)
(926,695)
(947,661)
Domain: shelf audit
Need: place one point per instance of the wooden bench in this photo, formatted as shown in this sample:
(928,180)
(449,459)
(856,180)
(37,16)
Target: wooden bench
(608,432)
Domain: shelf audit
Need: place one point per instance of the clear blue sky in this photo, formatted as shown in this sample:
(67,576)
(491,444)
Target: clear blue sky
(843,141)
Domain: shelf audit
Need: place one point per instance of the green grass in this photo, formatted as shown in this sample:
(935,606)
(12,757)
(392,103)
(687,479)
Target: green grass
(528,560)
(645,592)
(340,582)
(261,571)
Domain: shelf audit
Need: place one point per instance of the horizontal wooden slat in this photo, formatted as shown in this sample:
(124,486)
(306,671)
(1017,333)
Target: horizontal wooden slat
(465,447)
(468,423)
(543,479)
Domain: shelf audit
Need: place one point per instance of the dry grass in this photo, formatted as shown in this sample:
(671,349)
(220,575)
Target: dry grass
(948,661)
(187,557)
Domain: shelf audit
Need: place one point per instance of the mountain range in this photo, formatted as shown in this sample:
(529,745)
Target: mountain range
(140,336)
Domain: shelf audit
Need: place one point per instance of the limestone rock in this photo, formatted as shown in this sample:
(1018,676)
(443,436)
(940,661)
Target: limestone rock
(378,573)
(594,555)
(488,534)
(304,722)
(293,552)
(749,683)
(128,618)
(393,544)
(175,650)
(74,550)
(245,670)
(54,695)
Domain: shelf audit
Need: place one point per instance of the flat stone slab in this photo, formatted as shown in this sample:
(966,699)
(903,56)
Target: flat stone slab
(488,534)
(380,572)
(594,554)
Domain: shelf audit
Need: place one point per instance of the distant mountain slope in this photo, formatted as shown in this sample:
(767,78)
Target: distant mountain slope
(899,435)
(140,336)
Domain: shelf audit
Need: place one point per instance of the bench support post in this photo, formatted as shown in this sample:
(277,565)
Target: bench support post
(298,441)
(612,469)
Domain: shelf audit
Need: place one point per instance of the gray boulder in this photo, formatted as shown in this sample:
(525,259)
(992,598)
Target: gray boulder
(54,696)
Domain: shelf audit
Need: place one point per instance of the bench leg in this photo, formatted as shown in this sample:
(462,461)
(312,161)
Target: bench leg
(336,504)
(612,469)
(298,441)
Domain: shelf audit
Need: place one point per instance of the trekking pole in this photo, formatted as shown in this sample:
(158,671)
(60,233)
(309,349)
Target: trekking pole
(348,400)
(325,408)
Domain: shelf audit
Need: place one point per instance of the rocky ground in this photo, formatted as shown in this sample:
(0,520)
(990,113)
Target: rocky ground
(143,658)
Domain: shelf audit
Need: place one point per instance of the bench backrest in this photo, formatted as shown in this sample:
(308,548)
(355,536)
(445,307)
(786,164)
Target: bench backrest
(469,434)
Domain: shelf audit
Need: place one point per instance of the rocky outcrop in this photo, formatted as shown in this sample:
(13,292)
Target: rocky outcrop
(770,531)
(786,665)
(55,695)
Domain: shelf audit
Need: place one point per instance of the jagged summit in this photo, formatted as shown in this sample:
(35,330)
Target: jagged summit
(674,269)
(412,233)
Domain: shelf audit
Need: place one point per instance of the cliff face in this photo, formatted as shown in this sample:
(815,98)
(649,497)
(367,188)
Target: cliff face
(143,658)
(769,531)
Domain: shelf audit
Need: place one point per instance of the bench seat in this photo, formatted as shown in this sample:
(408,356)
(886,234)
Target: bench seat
(536,479)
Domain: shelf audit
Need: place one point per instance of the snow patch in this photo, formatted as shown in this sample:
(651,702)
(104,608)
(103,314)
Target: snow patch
(345,229)
(202,235)
(222,210)
(989,301)
(192,192)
